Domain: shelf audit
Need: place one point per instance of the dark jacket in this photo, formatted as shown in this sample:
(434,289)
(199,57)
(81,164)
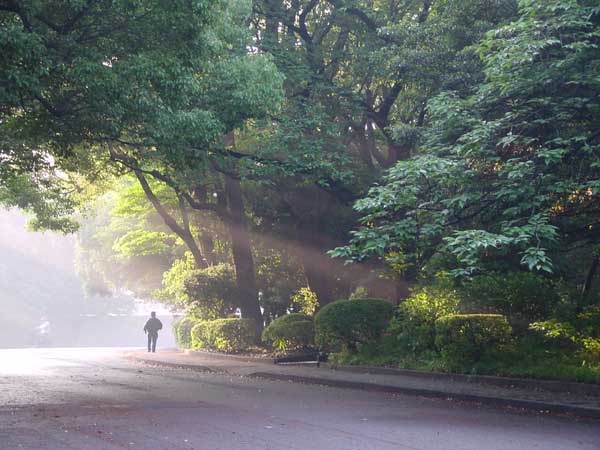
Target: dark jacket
(153,325)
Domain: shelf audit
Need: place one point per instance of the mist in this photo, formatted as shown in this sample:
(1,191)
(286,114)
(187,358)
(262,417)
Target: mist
(43,300)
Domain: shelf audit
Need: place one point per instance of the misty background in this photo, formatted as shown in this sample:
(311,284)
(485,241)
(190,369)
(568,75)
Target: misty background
(43,299)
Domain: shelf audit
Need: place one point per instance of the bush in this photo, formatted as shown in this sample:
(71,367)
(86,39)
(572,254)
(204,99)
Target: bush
(227,335)
(207,293)
(199,335)
(580,333)
(523,297)
(305,301)
(291,331)
(413,325)
(182,330)
(464,338)
(347,323)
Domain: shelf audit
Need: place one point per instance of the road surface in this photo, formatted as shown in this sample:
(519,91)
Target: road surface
(93,399)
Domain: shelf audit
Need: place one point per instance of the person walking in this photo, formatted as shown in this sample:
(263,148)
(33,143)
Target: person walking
(151,329)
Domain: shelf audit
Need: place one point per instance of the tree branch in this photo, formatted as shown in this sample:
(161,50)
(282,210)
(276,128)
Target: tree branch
(184,233)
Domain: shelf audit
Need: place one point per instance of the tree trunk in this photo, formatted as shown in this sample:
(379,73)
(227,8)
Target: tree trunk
(311,207)
(206,241)
(590,275)
(587,285)
(325,275)
(242,253)
(208,248)
(320,279)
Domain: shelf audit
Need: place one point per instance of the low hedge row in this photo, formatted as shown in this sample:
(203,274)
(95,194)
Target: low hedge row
(227,335)
(460,339)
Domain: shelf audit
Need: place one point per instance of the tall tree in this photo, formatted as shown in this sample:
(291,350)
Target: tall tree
(510,175)
(358,79)
(151,87)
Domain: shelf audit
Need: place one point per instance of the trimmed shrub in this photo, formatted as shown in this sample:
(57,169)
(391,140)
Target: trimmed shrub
(464,338)
(291,331)
(347,323)
(413,324)
(182,330)
(226,335)
(199,336)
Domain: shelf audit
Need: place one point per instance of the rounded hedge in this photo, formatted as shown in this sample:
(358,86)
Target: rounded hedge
(291,331)
(463,339)
(227,335)
(182,330)
(347,323)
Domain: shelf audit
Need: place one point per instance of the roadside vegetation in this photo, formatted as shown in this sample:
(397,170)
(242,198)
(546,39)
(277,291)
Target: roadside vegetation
(435,164)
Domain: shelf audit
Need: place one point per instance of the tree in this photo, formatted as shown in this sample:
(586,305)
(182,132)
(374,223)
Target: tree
(122,243)
(81,72)
(151,87)
(509,175)
(359,76)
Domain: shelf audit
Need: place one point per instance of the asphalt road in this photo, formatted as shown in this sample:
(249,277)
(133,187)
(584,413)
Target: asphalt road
(92,399)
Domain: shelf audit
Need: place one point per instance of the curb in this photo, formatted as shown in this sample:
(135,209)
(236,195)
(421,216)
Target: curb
(593,413)
(239,358)
(527,383)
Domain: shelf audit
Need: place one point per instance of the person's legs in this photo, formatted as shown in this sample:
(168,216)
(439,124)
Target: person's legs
(154,339)
(149,340)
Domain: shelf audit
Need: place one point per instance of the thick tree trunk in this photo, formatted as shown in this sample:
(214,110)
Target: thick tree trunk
(320,278)
(397,153)
(206,241)
(311,208)
(325,275)
(590,275)
(242,253)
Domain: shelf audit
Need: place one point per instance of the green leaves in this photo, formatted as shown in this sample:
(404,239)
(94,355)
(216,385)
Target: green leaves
(242,88)
(142,243)
(471,246)
(508,175)
(206,293)
(47,200)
